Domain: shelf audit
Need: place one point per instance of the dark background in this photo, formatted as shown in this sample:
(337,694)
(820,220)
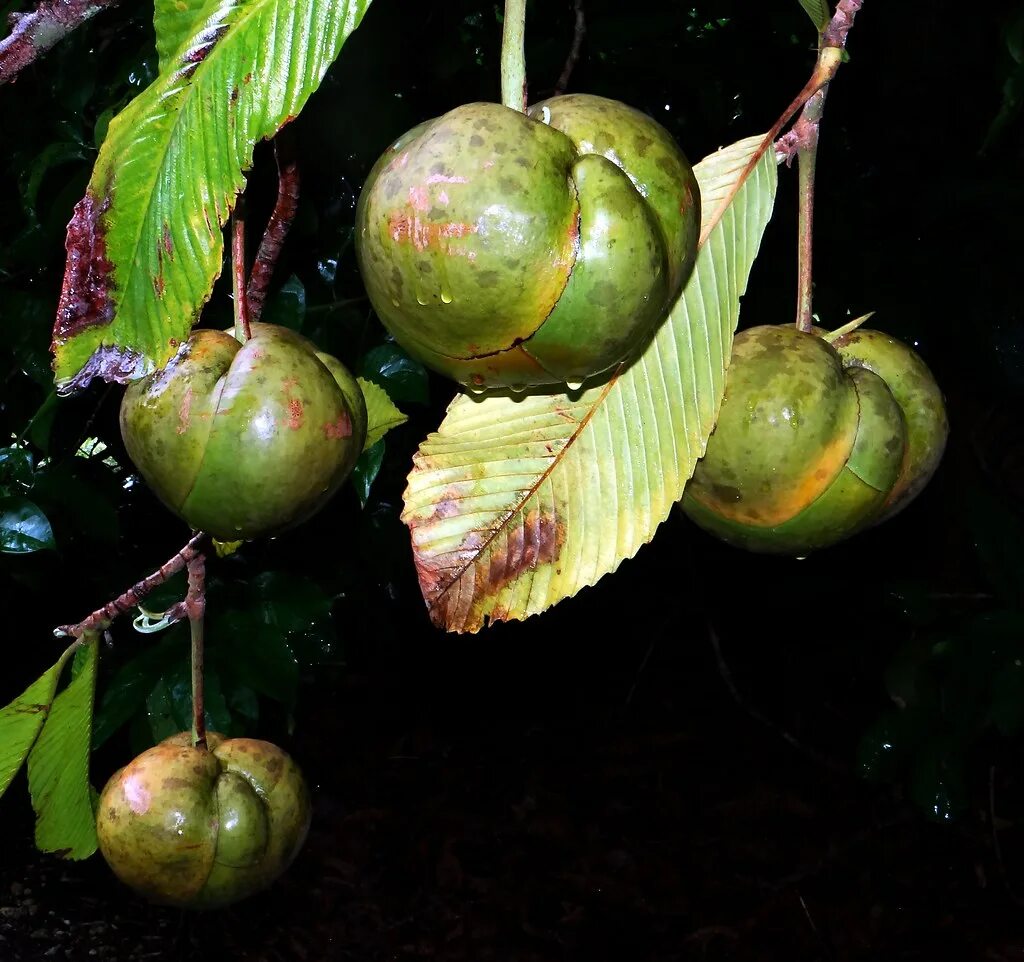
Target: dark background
(685,761)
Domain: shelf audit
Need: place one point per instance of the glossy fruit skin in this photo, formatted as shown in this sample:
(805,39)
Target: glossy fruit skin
(202,828)
(245,440)
(507,249)
(816,442)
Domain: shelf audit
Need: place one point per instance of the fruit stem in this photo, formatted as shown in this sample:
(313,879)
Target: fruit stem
(280,222)
(195,604)
(513,56)
(101,618)
(807,157)
(833,45)
(242,330)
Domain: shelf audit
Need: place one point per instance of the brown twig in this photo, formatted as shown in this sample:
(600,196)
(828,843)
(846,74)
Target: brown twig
(33,34)
(123,603)
(572,59)
(288,183)
(243,331)
(195,605)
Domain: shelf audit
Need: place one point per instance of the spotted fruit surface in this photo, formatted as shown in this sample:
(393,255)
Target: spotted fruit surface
(203,827)
(813,442)
(506,249)
(245,440)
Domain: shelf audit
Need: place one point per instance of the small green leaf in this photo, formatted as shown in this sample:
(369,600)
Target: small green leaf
(381,413)
(21,721)
(58,767)
(169,704)
(16,466)
(23,527)
(404,378)
(818,11)
(286,306)
(366,470)
(131,684)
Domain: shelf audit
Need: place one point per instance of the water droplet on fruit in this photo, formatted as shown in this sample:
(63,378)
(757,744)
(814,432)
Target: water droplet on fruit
(446,297)
(517,388)
(574,385)
(421,300)
(473,389)
(395,302)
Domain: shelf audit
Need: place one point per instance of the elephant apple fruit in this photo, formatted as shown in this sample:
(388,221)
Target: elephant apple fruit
(245,439)
(510,249)
(816,441)
(203,827)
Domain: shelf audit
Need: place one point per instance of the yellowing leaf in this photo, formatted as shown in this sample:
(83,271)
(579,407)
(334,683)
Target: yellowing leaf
(381,413)
(514,504)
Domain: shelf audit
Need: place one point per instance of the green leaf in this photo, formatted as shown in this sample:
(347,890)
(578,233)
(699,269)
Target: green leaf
(404,378)
(175,21)
(23,527)
(21,721)
(169,704)
(517,503)
(16,466)
(366,470)
(286,306)
(58,767)
(132,683)
(818,11)
(381,413)
(145,243)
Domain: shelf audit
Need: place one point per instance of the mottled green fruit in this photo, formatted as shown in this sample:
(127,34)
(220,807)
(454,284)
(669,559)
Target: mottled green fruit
(812,446)
(245,440)
(507,249)
(203,827)
(917,393)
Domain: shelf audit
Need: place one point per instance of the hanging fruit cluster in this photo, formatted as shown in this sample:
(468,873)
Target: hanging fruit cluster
(816,441)
(245,440)
(511,249)
(201,827)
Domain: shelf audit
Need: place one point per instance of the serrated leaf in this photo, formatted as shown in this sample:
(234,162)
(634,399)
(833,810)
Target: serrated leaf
(515,504)
(22,720)
(58,767)
(23,527)
(381,413)
(818,11)
(145,243)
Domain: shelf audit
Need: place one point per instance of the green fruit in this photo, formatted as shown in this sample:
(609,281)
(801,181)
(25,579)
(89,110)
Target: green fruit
(244,440)
(203,827)
(919,397)
(508,249)
(813,444)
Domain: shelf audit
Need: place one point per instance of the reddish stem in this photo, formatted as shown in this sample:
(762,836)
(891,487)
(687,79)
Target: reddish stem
(35,33)
(100,619)
(195,605)
(243,331)
(288,183)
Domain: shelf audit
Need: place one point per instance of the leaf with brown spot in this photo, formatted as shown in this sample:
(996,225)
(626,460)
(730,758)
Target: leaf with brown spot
(145,246)
(518,502)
